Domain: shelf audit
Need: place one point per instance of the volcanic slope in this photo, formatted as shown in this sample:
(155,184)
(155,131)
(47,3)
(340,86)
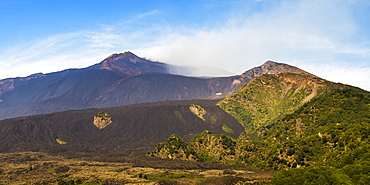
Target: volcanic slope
(120,79)
(71,88)
(132,127)
(293,121)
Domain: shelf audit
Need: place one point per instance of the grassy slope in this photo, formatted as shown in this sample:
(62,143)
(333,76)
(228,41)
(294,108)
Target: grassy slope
(296,120)
(335,132)
(268,98)
(332,129)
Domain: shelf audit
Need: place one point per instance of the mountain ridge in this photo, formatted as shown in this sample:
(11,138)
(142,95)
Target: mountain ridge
(120,79)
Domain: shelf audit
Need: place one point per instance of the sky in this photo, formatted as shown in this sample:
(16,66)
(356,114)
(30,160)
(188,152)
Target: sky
(328,38)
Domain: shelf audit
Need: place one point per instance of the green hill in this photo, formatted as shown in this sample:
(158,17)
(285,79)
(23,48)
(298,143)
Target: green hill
(268,98)
(317,129)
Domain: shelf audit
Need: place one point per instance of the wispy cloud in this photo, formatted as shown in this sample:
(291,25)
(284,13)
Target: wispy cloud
(150,13)
(302,33)
(58,52)
(72,50)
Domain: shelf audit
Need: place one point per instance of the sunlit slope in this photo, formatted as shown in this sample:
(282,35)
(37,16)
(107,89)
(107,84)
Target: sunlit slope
(292,120)
(270,97)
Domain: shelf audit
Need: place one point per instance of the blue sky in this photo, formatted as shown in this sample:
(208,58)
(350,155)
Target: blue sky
(329,38)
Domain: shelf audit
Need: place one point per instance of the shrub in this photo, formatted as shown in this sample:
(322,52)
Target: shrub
(311,175)
(227,129)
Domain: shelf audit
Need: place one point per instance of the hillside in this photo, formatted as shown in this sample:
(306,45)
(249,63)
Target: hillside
(126,129)
(292,121)
(333,130)
(270,97)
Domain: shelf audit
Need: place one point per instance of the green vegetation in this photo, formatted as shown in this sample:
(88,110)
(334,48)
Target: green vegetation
(60,141)
(174,148)
(103,115)
(204,147)
(314,131)
(267,99)
(102,120)
(213,119)
(323,175)
(290,93)
(331,130)
(198,111)
(227,129)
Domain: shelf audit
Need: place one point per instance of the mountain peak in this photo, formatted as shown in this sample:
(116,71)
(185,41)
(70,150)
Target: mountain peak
(116,56)
(272,63)
(271,67)
(128,63)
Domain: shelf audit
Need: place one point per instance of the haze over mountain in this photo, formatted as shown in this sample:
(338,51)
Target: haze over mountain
(120,79)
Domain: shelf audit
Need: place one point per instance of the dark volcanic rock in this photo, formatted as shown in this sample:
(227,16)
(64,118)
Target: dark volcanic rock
(134,127)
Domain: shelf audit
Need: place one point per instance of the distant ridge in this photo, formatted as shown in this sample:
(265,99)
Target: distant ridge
(120,79)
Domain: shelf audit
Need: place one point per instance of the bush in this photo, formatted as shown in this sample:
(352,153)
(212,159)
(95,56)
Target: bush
(290,152)
(227,129)
(311,175)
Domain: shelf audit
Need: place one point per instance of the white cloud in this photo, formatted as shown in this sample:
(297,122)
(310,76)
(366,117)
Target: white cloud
(298,27)
(295,32)
(342,72)
(51,54)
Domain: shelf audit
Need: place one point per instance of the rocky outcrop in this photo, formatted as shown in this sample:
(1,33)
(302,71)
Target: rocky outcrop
(102,120)
(198,111)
